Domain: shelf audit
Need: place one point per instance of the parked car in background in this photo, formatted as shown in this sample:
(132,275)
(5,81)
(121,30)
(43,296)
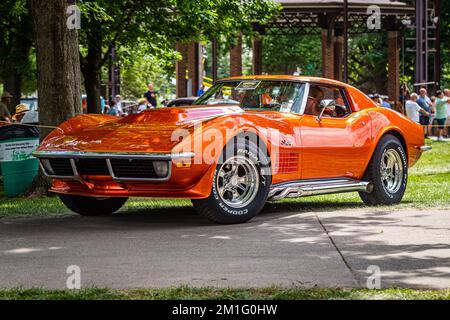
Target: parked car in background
(187,101)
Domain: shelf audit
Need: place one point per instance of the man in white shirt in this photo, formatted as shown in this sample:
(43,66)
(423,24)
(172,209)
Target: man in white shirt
(118,100)
(413,110)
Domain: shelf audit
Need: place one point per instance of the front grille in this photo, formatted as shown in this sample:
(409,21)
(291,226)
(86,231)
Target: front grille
(94,167)
(122,168)
(61,167)
(136,168)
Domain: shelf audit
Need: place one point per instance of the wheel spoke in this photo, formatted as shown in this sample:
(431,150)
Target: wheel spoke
(242,187)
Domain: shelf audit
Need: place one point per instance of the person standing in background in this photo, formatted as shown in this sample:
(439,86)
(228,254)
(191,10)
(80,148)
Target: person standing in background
(413,110)
(201,91)
(118,101)
(4,112)
(102,104)
(150,95)
(425,103)
(447,123)
(113,109)
(441,112)
(142,105)
(385,103)
(21,111)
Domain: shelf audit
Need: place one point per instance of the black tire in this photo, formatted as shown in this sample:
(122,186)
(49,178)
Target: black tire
(90,206)
(382,192)
(215,207)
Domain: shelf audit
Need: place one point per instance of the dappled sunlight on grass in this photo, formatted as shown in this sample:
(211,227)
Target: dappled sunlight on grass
(188,293)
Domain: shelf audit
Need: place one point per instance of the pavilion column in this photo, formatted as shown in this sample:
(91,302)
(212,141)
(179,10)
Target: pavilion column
(215,59)
(393,85)
(193,66)
(236,58)
(257,55)
(338,55)
(181,70)
(328,53)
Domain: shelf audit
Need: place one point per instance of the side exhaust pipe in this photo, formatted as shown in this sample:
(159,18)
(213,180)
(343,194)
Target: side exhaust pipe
(314,188)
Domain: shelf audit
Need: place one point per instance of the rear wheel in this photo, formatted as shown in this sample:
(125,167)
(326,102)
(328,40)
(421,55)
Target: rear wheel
(240,186)
(388,172)
(90,206)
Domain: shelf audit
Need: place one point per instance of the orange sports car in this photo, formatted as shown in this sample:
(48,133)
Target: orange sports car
(246,141)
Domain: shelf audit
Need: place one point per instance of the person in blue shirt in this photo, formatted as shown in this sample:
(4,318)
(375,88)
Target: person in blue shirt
(201,91)
(113,110)
(102,104)
(385,104)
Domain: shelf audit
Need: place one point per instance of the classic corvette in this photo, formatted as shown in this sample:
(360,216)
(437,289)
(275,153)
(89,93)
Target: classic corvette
(246,141)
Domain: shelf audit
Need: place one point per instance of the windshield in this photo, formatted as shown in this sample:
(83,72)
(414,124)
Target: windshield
(284,96)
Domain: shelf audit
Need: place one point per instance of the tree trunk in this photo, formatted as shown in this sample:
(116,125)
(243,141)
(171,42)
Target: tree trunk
(92,86)
(58,65)
(90,67)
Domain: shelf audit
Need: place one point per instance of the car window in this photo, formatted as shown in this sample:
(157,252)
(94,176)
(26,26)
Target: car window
(319,93)
(283,96)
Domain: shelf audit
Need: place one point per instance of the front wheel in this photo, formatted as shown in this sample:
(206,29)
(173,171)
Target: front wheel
(388,172)
(240,186)
(90,206)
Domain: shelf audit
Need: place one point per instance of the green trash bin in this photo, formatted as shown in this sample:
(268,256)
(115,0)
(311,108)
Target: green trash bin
(18,166)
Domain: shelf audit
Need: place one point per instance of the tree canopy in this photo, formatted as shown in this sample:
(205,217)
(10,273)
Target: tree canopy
(154,26)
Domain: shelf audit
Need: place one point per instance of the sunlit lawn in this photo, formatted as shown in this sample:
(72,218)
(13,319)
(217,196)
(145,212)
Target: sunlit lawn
(187,293)
(429,186)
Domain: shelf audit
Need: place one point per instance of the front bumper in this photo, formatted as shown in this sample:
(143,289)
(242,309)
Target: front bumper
(425,148)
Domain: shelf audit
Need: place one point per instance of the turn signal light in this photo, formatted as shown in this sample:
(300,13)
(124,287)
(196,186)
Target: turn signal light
(184,165)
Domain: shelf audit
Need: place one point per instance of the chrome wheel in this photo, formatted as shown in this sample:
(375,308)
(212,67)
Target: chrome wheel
(391,170)
(237,182)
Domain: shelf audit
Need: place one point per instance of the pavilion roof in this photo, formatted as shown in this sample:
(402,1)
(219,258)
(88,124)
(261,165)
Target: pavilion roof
(303,3)
(387,6)
(309,16)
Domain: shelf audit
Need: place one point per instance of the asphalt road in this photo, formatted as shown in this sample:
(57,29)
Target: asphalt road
(286,245)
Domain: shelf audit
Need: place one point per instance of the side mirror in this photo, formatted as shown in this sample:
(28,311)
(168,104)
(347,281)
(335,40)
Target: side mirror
(326,104)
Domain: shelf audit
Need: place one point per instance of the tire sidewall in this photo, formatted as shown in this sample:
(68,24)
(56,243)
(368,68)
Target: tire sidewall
(251,152)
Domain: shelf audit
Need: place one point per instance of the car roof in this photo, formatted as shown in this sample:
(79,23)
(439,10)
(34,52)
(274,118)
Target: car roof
(290,78)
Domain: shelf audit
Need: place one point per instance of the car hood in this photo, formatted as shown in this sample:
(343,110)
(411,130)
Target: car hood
(149,131)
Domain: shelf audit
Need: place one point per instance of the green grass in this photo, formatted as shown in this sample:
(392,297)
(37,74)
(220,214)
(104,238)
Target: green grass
(187,293)
(429,186)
